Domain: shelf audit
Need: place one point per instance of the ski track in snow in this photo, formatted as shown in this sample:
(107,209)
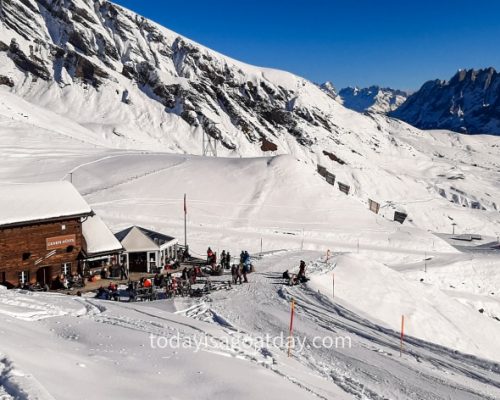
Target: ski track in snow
(371,369)
(263,357)
(440,370)
(336,318)
(16,385)
(130,179)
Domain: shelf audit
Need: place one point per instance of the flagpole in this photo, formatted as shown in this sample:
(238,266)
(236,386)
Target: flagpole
(185,222)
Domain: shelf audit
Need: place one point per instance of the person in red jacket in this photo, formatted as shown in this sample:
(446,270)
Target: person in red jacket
(210,254)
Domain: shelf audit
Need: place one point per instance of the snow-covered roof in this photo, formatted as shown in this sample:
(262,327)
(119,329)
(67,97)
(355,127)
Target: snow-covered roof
(21,203)
(137,239)
(98,237)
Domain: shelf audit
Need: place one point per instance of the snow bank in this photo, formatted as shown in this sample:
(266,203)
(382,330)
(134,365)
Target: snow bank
(40,359)
(379,293)
(30,306)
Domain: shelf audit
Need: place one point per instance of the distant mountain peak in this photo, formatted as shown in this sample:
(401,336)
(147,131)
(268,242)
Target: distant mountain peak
(373,98)
(329,89)
(469,102)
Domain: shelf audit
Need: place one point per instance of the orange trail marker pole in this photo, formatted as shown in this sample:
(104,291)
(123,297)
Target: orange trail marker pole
(290,337)
(402,335)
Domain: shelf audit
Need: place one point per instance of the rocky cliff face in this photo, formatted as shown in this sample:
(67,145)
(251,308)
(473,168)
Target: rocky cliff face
(469,103)
(372,99)
(62,46)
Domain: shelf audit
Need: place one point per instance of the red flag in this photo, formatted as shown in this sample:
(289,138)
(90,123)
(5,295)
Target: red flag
(185,208)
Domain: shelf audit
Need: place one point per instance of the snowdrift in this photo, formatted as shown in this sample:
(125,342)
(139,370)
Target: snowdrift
(379,293)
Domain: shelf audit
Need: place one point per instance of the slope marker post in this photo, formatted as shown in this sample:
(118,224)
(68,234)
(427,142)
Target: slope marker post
(290,336)
(402,335)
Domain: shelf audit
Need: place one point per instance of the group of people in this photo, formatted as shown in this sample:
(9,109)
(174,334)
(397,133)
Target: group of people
(173,285)
(225,260)
(238,274)
(239,271)
(295,279)
(109,293)
(114,271)
(191,274)
(160,286)
(70,281)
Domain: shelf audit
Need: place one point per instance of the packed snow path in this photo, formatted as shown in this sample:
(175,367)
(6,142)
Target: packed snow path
(372,367)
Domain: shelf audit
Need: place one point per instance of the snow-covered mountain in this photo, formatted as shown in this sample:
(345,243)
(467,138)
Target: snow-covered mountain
(469,102)
(329,89)
(373,98)
(121,81)
(135,81)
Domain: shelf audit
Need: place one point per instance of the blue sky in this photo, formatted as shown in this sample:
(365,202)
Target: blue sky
(352,42)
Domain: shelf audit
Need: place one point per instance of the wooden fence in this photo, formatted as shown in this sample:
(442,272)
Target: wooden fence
(373,206)
(344,188)
(400,217)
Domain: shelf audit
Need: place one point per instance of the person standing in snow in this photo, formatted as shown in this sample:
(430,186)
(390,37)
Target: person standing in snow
(246,261)
(210,255)
(239,273)
(234,274)
(228,260)
(301,276)
(123,273)
(223,259)
(244,273)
